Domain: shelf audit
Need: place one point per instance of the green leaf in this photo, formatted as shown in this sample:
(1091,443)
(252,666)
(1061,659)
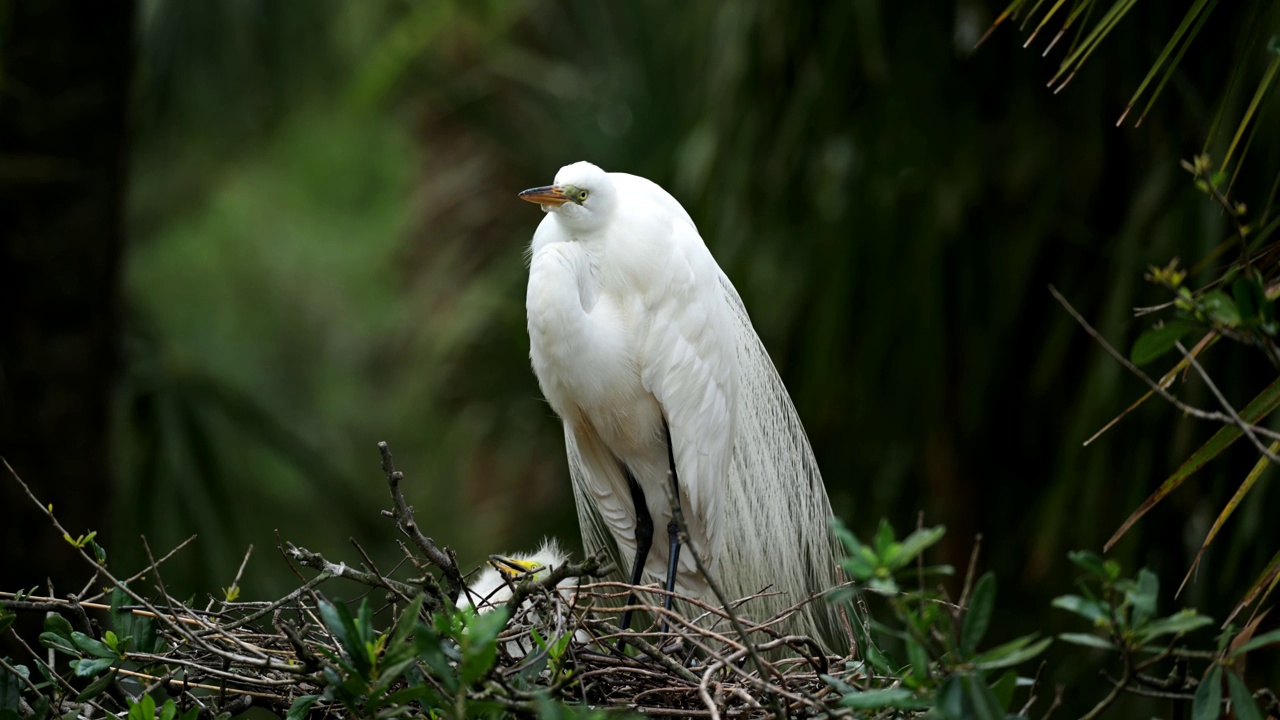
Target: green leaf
(918,658)
(11,687)
(916,543)
(1142,596)
(1175,40)
(1221,308)
(1011,653)
(1207,704)
(841,686)
(87,667)
(1249,298)
(58,642)
(985,704)
(1088,561)
(140,627)
(332,615)
(1242,699)
(1257,409)
(403,697)
(1091,610)
(898,698)
(301,707)
(1003,688)
(1156,342)
(58,625)
(97,687)
(1259,641)
(978,616)
(168,710)
(480,645)
(884,541)
(94,647)
(1087,640)
(1180,622)
(967,697)
(144,709)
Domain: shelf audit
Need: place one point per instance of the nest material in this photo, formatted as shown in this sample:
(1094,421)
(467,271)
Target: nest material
(700,665)
(707,661)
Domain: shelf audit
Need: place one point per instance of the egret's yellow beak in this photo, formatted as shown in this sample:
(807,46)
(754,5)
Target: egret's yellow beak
(551,195)
(512,567)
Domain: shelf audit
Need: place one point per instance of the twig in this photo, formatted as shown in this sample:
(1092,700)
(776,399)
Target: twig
(1155,386)
(404,518)
(1236,420)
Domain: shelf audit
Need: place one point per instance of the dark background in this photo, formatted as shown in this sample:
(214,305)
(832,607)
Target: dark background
(243,242)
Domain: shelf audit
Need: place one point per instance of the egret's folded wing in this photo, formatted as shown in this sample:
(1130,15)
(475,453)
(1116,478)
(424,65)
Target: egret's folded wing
(688,362)
(600,491)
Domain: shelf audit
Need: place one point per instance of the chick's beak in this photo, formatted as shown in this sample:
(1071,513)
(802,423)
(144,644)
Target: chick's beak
(548,196)
(512,567)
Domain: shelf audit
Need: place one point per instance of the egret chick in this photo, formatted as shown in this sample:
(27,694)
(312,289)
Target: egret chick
(494,585)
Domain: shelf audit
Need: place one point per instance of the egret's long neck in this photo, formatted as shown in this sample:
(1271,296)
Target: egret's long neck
(562,292)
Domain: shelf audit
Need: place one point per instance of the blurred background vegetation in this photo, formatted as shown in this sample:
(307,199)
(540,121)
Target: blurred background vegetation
(322,249)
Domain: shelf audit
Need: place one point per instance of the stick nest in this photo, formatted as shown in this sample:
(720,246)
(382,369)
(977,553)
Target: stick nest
(407,650)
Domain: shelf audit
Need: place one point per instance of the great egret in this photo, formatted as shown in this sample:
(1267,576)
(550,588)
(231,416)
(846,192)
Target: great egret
(643,347)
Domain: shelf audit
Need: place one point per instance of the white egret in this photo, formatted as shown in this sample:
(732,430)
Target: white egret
(643,347)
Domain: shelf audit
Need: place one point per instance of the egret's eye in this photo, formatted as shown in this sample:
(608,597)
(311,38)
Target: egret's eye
(582,195)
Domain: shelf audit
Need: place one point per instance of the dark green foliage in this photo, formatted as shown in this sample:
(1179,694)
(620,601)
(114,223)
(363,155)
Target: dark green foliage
(931,657)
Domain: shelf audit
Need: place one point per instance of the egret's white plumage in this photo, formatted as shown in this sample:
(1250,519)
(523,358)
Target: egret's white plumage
(631,322)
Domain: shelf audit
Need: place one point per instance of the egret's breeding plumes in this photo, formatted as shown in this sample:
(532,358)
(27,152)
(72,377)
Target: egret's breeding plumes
(643,348)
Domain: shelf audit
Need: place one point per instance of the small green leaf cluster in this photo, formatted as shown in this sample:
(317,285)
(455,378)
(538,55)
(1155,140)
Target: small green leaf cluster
(1246,313)
(1123,613)
(382,675)
(1122,610)
(145,709)
(95,658)
(931,658)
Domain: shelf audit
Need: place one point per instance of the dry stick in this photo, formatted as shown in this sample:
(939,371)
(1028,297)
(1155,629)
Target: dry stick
(1236,420)
(144,571)
(236,582)
(368,561)
(1155,386)
(404,518)
(172,626)
(677,514)
(317,561)
(270,607)
(236,691)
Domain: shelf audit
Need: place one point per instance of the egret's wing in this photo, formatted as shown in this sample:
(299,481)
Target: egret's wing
(687,362)
(600,491)
(778,499)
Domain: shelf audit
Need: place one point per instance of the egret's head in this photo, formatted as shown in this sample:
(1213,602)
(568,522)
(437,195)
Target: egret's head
(582,197)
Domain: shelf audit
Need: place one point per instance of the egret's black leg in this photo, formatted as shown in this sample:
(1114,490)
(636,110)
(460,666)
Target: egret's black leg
(644,541)
(673,529)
